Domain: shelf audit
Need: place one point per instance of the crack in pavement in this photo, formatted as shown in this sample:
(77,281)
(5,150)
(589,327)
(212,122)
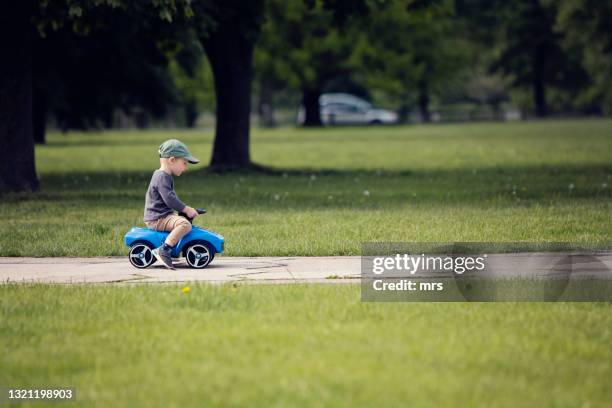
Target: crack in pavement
(268,266)
(246,273)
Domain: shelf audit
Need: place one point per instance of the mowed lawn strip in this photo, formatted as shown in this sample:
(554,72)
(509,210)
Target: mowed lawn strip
(300,345)
(327,190)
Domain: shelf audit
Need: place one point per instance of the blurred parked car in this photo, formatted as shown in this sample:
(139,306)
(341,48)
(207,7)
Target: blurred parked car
(347,109)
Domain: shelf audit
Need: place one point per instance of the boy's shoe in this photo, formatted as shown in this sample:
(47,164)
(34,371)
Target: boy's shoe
(164,256)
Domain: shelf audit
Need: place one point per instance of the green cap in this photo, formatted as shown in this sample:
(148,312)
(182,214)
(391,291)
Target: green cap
(176,148)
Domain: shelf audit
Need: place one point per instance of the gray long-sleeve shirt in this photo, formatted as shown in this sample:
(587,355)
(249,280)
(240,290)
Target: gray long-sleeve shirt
(161,199)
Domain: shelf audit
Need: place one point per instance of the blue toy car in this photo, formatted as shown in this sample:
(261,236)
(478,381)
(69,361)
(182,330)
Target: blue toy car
(199,247)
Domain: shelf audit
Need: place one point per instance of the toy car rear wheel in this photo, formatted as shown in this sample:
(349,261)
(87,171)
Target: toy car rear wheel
(141,255)
(199,255)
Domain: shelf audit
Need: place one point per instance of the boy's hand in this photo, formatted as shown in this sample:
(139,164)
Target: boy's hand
(191,213)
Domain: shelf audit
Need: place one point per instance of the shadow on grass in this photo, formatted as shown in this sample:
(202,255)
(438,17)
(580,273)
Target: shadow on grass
(312,188)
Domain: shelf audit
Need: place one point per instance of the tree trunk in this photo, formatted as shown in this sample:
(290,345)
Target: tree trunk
(191,114)
(230,55)
(142,119)
(424,102)
(312,110)
(539,78)
(266,113)
(403,113)
(39,112)
(17,168)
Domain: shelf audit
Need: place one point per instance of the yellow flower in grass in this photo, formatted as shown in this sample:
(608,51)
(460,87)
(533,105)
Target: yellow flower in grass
(186,289)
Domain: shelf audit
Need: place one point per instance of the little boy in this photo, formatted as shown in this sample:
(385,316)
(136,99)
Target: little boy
(161,201)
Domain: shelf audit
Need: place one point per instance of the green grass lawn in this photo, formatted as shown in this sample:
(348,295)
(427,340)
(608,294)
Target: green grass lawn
(334,188)
(305,345)
(300,345)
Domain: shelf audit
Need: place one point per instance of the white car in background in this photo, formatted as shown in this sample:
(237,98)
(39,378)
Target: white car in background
(347,109)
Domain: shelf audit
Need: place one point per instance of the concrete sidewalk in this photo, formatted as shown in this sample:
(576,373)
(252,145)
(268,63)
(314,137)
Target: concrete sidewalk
(222,269)
(327,269)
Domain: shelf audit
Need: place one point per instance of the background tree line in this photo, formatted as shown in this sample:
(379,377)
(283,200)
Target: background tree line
(83,64)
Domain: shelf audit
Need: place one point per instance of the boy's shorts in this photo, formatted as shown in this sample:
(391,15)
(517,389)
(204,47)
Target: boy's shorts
(172,222)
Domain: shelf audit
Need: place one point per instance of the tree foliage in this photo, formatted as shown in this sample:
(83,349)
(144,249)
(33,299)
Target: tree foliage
(412,52)
(586,28)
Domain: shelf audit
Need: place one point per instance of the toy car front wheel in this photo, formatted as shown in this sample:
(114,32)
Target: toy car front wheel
(199,255)
(141,255)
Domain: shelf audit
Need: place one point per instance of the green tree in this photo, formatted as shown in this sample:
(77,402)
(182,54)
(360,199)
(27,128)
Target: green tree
(585,25)
(20,23)
(74,83)
(307,45)
(192,77)
(229,43)
(17,169)
(412,52)
(529,48)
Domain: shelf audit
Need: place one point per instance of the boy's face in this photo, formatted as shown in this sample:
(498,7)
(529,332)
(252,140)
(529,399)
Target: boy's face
(177,165)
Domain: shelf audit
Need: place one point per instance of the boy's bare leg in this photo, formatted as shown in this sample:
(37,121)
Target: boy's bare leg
(181,228)
(178,227)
